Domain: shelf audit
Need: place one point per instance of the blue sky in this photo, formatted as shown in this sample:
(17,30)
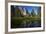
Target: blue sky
(30,8)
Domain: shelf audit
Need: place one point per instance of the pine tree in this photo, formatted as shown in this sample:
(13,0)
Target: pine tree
(27,11)
(39,11)
(33,13)
(12,11)
(17,12)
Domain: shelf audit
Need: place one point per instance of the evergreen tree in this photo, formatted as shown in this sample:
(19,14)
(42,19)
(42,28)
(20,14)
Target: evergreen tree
(12,11)
(33,13)
(17,11)
(39,11)
(27,11)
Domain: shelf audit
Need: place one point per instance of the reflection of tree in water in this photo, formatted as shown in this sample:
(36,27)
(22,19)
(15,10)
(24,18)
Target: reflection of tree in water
(26,24)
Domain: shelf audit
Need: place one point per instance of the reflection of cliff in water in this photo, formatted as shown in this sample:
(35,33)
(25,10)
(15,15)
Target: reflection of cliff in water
(25,23)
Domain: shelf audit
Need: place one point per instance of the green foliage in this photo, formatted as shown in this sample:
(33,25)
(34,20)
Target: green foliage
(33,13)
(17,12)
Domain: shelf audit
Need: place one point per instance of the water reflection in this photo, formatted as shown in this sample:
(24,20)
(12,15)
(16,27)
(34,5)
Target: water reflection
(29,23)
(25,23)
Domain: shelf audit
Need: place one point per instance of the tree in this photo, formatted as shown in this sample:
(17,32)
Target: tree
(17,11)
(27,11)
(12,11)
(39,11)
(33,13)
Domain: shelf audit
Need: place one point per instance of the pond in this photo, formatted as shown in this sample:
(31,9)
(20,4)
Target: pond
(22,23)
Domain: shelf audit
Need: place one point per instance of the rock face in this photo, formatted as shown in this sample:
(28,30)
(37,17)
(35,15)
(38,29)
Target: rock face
(21,12)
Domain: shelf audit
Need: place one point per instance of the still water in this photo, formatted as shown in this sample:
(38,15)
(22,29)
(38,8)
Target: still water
(25,23)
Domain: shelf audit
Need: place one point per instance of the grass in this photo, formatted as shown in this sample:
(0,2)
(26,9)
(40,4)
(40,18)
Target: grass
(26,18)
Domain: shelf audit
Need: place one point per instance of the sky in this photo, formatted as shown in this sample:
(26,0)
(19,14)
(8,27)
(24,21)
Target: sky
(29,8)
